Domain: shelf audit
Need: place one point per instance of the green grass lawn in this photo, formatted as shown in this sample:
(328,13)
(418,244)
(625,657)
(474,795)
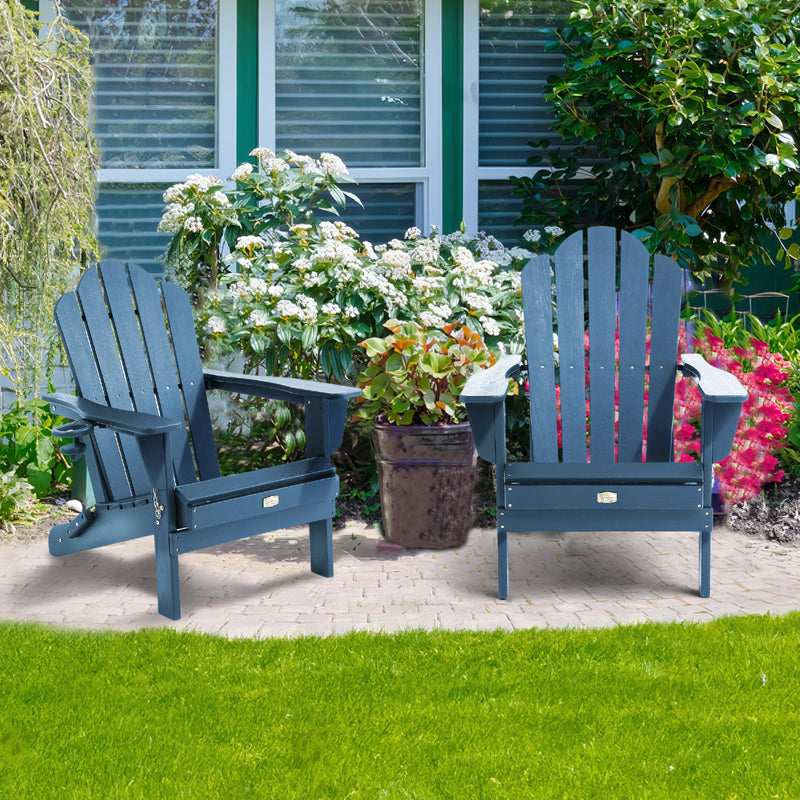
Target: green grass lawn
(673,711)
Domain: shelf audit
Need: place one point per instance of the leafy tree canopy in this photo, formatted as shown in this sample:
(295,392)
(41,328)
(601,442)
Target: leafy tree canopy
(687,115)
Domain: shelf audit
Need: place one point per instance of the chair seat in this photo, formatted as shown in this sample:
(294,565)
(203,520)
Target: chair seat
(271,486)
(680,473)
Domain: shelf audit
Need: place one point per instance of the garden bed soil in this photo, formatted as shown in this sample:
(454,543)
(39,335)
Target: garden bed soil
(774,514)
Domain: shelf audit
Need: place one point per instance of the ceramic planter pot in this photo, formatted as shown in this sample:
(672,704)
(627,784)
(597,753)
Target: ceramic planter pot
(426,476)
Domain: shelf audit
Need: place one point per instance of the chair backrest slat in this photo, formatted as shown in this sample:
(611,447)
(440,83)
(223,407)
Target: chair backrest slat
(190,371)
(571,350)
(538,310)
(665,318)
(634,286)
(602,247)
(158,353)
(86,374)
(105,346)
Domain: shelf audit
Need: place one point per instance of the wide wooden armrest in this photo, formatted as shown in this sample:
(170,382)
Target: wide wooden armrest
(714,384)
(491,385)
(290,390)
(723,398)
(135,423)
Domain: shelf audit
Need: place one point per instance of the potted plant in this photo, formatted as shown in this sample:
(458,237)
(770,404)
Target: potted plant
(423,445)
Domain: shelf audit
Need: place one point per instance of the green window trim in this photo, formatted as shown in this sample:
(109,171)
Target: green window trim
(246,78)
(452,113)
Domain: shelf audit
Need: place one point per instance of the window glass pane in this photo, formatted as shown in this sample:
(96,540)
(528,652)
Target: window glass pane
(349,80)
(498,211)
(514,68)
(389,211)
(128,218)
(155,64)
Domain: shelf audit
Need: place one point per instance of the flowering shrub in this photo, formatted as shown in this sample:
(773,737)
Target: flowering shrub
(206,220)
(762,426)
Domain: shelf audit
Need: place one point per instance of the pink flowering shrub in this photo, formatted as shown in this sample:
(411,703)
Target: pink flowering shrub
(763,423)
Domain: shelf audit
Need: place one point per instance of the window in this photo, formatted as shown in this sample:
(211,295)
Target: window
(359,78)
(163,108)
(507,109)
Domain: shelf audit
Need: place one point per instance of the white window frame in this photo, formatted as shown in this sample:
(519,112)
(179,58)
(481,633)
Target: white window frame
(473,174)
(225,110)
(428,178)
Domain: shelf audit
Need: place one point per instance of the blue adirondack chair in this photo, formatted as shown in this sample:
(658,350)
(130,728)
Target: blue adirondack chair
(141,419)
(603,484)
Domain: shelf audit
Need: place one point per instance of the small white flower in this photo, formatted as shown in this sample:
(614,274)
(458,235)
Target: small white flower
(351,311)
(532,236)
(258,286)
(215,325)
(238,289)
(413,233)
(193,224)
(174,193)
(222,199)
(246,263)
(244,242)
(554,230)
(275,290)
(332,309)
(257,319)
(333,165)
(262,153)
(286,308)
(490,327)
(242,171)
(520,253)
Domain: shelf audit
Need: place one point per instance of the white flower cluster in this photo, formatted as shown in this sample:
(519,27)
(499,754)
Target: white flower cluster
(398,264)
(532,236)
(202,183)
(479,302)
(305,309)
(215,326)
(257,319)
(193,224)
(413,233)
(426,252)
(268,160)
(336,230)
(244,242)
(334,166)
(174,216)
(554,231)
(242,171)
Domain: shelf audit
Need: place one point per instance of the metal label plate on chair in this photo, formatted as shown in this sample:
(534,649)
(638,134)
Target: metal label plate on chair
(606,497)
(271,501)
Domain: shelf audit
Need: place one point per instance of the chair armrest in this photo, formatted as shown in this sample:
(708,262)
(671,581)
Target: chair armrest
(723,397)
(484,397)
(491,385)
(714,384)
(135,423)
(290,390)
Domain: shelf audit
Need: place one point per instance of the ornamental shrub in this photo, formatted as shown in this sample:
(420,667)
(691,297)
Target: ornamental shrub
(762,429)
